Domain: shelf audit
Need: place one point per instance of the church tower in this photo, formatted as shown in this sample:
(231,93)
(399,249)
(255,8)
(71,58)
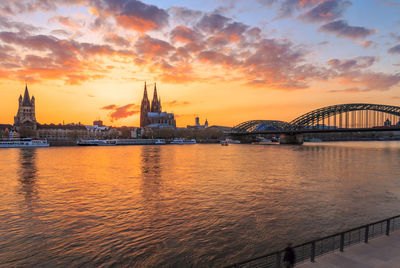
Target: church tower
(155,103)
(26,116)
(144,108)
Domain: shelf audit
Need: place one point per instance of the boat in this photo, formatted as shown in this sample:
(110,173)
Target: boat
(24,143)
(160,142)
(183,141)
(232,141)
(114,142)
(224,143)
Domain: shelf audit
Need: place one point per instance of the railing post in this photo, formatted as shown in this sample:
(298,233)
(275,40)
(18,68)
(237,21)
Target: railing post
(341,242)
(387,226)
(312,251)
(366,234)
(278,259)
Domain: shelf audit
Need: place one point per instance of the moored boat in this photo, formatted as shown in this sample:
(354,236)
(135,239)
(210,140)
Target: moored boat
(24,143)
(183,141)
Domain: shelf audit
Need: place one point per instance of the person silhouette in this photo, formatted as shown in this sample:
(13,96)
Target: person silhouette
(289,258)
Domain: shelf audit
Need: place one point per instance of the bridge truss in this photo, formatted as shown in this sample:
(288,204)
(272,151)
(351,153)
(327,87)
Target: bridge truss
(260,126)
(354,115)
(343,116)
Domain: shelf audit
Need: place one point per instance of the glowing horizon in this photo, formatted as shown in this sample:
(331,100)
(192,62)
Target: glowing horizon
(226,61)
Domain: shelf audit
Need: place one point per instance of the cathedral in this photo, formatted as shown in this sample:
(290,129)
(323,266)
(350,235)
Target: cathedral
(151,115)
(25,117)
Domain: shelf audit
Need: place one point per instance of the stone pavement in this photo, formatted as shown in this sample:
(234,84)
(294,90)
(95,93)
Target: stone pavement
(382,252)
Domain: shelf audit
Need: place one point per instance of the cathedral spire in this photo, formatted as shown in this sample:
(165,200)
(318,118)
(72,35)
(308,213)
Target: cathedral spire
(27,100)
(145,91)
(155,92)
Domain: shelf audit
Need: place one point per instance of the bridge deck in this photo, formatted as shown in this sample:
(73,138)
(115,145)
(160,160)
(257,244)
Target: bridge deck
(382,252)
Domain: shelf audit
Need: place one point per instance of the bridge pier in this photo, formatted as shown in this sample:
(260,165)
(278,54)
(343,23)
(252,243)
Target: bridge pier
(289,138)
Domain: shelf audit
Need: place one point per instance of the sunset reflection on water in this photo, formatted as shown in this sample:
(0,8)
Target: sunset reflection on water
(200,205)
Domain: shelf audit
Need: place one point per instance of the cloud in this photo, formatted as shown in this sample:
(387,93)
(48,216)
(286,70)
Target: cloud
(349,90)
(51,58)
(341,29)
(211,23)
(394,50)
(185,15)
(326,11)
(353,64)
(175,103)
(69,22)
(148,47)
(368,43)
(122,111)
(370,80)
(21,27)
(115,39)
(185,35)
(133,14)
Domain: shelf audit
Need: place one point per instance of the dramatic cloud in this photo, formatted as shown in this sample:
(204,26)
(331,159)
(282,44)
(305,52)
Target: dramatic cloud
(53,58)
(133,14)
(354,64)
(341,29)
(122,111)
(148,47)
(211,23)
(185,34)
(394,50)
(326,11)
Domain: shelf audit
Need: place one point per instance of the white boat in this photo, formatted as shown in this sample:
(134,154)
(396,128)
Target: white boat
(232,141)
(114,142)
(182,141)
(24,143)
(224,143)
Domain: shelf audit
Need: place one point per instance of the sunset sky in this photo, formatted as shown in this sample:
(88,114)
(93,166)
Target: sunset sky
(225,60)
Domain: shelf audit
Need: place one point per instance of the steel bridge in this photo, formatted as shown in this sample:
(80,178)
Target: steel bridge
(353,117)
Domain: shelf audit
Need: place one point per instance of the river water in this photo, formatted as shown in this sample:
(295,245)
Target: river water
(186,205)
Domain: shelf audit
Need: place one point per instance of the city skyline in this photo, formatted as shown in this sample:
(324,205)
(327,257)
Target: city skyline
(226,61)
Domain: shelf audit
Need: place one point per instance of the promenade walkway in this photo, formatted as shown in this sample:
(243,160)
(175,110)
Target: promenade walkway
(382,252)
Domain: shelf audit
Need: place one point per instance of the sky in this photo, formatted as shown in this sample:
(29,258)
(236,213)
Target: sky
(227,61)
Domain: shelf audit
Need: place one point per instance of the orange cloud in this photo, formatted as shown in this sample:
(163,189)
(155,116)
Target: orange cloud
(122,111)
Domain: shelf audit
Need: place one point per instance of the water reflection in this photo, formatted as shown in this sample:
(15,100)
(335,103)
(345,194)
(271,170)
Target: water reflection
(150,170)
(28,175)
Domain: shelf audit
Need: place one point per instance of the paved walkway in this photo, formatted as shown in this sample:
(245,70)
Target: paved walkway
(382,252)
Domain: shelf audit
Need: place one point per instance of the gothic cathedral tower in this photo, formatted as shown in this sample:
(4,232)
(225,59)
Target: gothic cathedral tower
(144,108)
(155,103)
(26,117)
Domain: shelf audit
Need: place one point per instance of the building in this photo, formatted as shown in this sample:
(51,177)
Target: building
(25,118)
(197,124)
(152,115)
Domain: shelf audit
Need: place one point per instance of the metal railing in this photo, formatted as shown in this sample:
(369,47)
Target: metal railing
(315,248)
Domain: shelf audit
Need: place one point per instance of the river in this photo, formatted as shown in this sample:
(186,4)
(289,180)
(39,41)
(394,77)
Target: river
(197,205)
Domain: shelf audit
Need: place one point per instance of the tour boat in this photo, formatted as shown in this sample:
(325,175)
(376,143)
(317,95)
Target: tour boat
(24,143)
(160,142)
(182,141)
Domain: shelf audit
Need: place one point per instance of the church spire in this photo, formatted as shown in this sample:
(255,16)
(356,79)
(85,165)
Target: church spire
(27,100)
(155,92)
(145,91)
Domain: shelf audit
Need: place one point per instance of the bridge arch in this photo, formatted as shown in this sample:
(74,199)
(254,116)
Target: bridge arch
(353,115)
(260,125)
